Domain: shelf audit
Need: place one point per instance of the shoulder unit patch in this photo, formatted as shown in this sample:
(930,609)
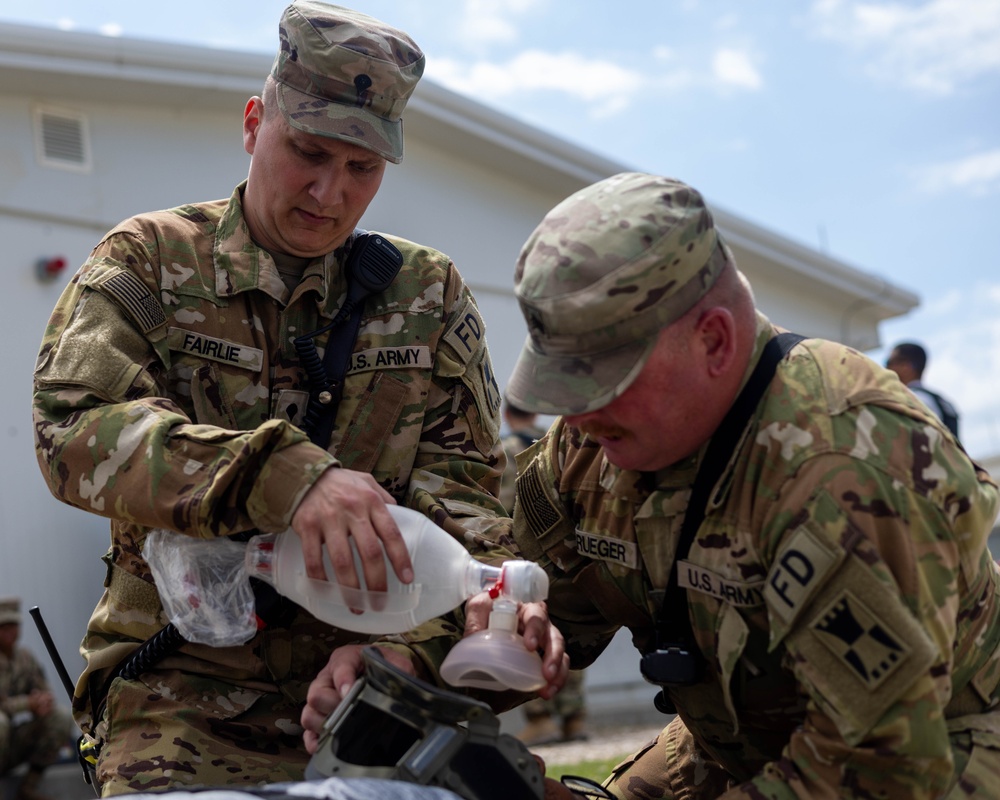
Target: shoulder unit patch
(866,645)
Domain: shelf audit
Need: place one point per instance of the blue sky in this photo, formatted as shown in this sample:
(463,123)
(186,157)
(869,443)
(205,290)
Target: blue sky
(869,130)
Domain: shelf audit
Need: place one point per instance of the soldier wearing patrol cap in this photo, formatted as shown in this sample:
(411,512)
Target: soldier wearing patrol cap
(831,628)
(168,394)
(841,598)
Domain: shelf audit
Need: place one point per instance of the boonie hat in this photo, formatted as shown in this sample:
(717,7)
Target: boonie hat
(345,75)
(605,271)
(10,611)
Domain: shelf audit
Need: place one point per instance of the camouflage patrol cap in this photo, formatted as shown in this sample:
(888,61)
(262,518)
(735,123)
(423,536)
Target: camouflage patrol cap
(605,271)
(345,75)
(10,611)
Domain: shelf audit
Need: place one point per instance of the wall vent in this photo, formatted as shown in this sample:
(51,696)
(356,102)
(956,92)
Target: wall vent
(61,139)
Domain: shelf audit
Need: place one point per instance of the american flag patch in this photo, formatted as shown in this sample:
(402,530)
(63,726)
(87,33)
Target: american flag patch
(134,297)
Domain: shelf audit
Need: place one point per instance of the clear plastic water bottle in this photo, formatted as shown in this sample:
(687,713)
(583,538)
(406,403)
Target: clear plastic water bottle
(445,576)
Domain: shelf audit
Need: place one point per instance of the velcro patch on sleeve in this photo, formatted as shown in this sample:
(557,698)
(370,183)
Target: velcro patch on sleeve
(798,572)
(536,516)
(860,650)
(467,332)
(863,644)
(488,379)
(133,297)
(464,354)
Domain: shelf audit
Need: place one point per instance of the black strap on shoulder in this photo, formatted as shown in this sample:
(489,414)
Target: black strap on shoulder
(372,264)
(326,393)
(673,622)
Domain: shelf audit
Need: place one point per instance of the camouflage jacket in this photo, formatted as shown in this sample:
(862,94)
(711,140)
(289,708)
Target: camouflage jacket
(168,392)
(20,675)
(839,587)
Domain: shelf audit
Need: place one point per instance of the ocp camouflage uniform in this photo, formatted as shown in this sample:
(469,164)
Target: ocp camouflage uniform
(839,588)
(168,394)
(25,738)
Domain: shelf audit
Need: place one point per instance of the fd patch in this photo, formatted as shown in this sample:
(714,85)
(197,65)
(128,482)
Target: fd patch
(799,571)
(467,334)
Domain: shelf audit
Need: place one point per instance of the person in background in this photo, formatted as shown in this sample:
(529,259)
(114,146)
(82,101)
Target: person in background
(562,718)
(909,360)
(170,394)
(32,727)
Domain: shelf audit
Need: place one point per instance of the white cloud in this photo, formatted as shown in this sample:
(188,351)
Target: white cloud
(111,29)
(488,22)
(964,365)
(944,304)
(727,22)
(500,68)
(934,46)
(663,53)
(978,174)
(735,68)
(607,87)
(476,30)
(603,85)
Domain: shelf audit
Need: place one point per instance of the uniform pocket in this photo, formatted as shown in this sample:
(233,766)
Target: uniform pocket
(159,729)
(210,398)
(373,423)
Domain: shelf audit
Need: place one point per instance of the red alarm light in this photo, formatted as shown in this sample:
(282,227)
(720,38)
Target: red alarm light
(48,268)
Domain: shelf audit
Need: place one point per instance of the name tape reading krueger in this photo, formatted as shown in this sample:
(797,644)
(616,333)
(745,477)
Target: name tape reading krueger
(607,548)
